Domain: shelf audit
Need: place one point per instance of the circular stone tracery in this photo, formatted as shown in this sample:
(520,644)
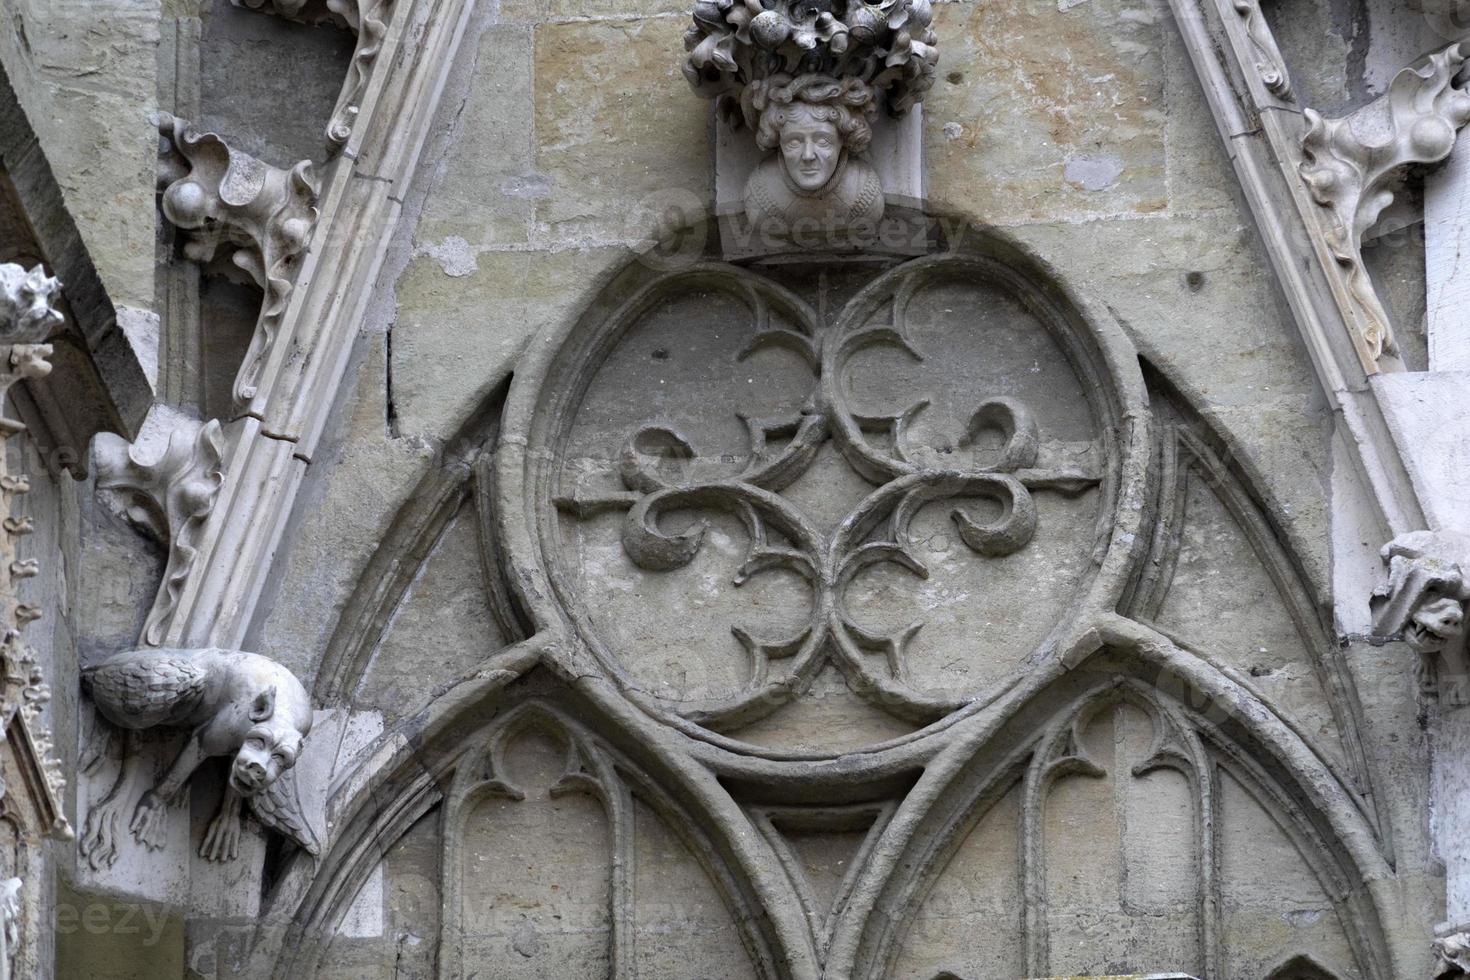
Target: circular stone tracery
(723,495)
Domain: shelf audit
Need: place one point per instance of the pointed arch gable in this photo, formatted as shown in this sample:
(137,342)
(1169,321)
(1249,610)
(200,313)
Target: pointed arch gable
(439,756)
(1122,658)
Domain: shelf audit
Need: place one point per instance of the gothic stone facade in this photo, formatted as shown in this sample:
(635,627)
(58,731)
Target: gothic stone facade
(570,489)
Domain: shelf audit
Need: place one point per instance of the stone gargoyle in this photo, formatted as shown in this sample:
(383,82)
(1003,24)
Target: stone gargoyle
(236,704)
(1424,599)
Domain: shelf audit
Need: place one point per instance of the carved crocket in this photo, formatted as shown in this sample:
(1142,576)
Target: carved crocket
(234,704)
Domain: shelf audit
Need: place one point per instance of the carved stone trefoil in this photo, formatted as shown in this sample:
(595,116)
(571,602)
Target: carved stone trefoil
(169,499)
(368,19)
(223,197)
(1424,601)
(1351,166)
(807,77)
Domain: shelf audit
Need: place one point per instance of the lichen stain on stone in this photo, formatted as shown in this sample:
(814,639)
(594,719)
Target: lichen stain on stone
(1093,173)
(454,255)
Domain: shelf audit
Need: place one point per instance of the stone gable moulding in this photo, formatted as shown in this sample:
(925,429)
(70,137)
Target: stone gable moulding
(792,450)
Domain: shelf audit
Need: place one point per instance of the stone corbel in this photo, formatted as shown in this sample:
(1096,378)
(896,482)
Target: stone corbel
(368,19)
(1423,602)
(220,197)
(243,707)
(168,498)
(1352,167)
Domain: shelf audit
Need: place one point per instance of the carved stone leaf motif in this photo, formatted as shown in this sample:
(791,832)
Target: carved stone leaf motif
(368,19)
(169,498)
(223,197)
(664,473)
(1351,165)
(1453,955)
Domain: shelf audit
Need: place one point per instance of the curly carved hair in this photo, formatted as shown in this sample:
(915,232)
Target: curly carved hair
(847,102)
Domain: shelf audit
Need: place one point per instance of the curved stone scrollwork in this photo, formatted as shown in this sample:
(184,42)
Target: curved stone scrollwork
(368,19)
(223,197)
(1351,163)
(1270,66)
(846,453)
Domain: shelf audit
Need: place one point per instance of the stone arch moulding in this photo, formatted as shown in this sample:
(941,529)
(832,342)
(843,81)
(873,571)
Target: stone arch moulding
(790,432)
(886,426)
(606,755)
(1202,727)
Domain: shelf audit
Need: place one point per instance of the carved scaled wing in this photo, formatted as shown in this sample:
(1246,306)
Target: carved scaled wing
(142,692)
(278,806)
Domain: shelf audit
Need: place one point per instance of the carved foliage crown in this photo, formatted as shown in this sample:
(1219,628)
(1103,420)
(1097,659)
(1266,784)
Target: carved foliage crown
(736,46)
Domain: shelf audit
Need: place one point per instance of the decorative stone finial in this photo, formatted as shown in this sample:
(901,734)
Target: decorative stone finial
(806,77)
(1424,598)
(1351,164)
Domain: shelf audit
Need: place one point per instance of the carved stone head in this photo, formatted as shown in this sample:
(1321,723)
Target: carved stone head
(1425,595)
(27,304)
(815,126)
(281,720)
(812,121)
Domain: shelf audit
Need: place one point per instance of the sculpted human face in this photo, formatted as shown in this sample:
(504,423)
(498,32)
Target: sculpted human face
(810,148)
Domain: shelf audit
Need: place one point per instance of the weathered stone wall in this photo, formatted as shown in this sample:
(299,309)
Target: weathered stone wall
(564,142)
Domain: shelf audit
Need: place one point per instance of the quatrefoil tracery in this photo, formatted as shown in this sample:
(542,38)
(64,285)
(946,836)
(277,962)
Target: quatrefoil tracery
(657,465)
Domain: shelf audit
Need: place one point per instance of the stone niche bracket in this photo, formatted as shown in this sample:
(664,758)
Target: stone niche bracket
(818,135)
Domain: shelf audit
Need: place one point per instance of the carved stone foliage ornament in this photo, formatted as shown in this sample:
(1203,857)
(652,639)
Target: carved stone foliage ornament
(1452,954)
(806,77)
(238,705)
(222,197)
(368,19)
(1423,600)
(27,315)
(944,434)
(168,498)
(1352,167)
(1270,66)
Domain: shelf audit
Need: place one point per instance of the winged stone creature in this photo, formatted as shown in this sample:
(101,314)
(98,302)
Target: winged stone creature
(232,703)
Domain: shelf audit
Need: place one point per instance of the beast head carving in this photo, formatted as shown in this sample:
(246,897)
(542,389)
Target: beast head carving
(241,705)
(269,747)
(1424,597)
